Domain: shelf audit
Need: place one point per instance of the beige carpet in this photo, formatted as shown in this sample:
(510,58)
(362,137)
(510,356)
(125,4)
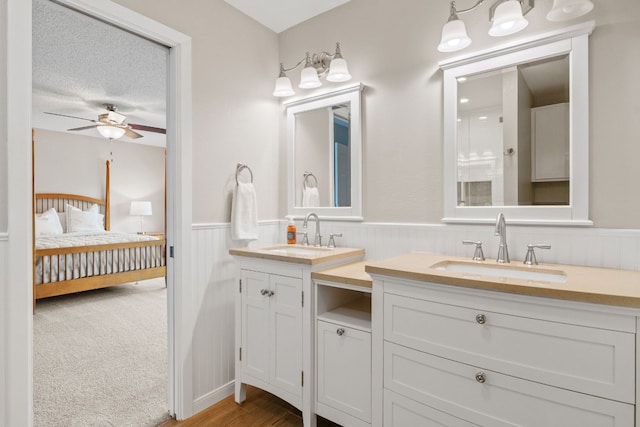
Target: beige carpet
(100,357)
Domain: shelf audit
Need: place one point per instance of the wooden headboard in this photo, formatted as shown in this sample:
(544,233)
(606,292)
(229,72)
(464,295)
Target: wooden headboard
(44,201)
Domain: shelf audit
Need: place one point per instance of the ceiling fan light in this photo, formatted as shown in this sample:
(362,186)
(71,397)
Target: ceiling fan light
(338,71)
(111,132)
(565,10)
(283,87)
(454,36)
(508,19)
(309,78)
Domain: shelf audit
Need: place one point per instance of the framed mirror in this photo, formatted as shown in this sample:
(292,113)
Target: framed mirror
(516,131)
(324,159)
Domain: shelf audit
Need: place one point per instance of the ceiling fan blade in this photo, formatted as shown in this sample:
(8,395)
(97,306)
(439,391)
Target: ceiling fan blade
(131,134)
(83,128)
(147,128)
(71,117)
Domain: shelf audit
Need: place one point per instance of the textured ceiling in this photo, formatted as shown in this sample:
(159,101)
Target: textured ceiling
(278,15)
(80,64)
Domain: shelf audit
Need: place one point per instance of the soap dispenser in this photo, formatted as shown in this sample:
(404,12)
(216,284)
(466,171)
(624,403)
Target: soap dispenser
(291,231)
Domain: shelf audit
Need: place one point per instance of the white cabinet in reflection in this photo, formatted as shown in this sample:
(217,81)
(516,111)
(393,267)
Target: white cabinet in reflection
(550,143)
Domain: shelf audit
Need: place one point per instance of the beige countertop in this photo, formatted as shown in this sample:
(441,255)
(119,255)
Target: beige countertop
(586,284)
(308,254)
(349,274)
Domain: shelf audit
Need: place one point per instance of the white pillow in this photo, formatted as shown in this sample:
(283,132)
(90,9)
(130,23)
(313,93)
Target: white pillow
(94,208)
(48,223)
(63,221)
(78,220)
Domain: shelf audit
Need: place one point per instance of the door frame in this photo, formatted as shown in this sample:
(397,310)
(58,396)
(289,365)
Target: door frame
(19,337)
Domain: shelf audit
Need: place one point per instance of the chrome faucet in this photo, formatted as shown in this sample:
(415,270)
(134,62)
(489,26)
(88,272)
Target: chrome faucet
(317,241)
(501,230)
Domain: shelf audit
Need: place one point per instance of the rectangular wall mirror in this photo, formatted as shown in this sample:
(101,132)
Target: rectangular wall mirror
(324,155)
(516,133)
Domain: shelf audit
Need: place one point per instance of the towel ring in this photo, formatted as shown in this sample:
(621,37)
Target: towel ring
(239,169)
(308,175)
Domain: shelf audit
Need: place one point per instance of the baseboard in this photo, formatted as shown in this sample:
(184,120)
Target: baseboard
(213,397)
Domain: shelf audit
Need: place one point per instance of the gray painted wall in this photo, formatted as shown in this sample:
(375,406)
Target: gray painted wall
(3,117)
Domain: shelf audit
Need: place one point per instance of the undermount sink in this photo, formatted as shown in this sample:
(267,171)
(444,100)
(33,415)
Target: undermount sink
(523,273)
(298,250)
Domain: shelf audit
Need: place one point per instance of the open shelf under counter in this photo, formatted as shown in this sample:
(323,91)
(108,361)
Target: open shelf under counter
(355,314)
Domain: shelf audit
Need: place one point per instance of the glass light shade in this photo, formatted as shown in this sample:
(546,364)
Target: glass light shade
(283,87)
(454,36)
(338,71)
(565,10)
(508,19)
(111,132)
(140,208)
(309,78)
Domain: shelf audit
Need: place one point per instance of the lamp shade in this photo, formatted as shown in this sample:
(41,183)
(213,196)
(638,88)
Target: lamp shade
(309,78)
(564,10)
(140,208)
(283,87)
(454,36)
(508,19)
(111,132)
(338,71)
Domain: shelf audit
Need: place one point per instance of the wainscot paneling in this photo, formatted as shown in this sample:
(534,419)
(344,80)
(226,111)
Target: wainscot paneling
(214,278)
(3,284)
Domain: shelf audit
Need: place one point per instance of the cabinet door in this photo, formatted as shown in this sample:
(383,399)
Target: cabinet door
(255,324)
(285,323)
(344,369)
(550,142)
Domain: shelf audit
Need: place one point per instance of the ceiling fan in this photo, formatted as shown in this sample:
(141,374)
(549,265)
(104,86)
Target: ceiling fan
(111,124)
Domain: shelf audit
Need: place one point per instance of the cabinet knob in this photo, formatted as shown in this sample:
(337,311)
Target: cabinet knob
(264,292)
(481,319)
(340,331)
(270,294)
(481,377)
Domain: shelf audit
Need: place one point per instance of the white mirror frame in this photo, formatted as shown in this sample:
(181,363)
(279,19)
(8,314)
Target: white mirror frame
(350,94)
(573,41)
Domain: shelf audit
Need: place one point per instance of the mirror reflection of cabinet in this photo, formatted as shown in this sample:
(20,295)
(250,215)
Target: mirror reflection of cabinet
(550,142)
(491,167)
(324,161)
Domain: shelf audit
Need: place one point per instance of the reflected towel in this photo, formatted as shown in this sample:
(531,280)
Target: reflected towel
(310,197)
(244,213)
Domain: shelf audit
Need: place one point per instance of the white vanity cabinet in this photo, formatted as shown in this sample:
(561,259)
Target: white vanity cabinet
(343,346)
(456,356)
(550,143)
(274,323)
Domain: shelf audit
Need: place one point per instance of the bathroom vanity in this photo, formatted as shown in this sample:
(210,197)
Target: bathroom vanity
(462,343)
(274,326)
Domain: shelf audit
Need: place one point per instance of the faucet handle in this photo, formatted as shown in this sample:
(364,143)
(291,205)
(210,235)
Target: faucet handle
(305,239)
(530,259)
(332,240)
(478,255)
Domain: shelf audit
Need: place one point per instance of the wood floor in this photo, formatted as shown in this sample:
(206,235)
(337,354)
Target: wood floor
(260,409)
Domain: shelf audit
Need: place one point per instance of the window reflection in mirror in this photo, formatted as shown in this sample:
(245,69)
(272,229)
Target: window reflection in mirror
(513,135)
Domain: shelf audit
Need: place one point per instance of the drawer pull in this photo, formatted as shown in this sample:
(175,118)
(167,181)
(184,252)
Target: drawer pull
(481,319)
(481,377)
(340,331)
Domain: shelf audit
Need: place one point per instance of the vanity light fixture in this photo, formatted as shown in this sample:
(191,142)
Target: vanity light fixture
(331,65)
(507,17)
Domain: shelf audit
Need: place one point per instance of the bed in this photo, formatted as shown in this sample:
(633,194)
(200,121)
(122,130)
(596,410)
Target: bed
(74,249)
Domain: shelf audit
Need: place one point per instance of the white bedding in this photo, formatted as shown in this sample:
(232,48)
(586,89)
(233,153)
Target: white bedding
(93,263)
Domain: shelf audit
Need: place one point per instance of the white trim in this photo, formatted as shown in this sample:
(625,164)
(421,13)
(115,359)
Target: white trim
(4,237)
(219,225)
(325,94)
(213,397)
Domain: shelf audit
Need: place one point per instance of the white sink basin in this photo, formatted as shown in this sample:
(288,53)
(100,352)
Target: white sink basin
(503,271)
(299,250)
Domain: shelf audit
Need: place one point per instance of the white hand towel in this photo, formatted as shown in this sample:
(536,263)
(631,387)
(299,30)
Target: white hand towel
(244,213)
(310,197)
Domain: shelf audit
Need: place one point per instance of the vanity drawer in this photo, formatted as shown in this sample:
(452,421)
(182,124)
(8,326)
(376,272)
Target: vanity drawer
(488,398)
(400,411)
(585,359)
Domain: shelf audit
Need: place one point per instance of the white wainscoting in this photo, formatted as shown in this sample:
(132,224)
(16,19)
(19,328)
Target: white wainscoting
(4,240)
(214,271)
(214,277)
